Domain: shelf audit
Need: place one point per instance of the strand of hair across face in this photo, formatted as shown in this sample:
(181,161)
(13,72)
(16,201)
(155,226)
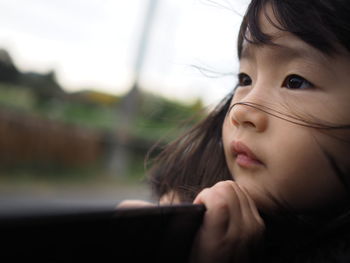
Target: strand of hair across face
(289,118)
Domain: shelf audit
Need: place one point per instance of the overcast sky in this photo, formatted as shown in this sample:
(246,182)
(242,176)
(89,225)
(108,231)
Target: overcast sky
(93,43)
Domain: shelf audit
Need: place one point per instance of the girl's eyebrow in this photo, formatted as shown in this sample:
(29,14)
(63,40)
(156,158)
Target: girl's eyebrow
(299,51)
(289,51)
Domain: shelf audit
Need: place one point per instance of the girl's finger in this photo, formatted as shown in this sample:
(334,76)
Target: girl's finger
(243,200)
(217,213)
(198,200)
(134,203)
(241,213)
(253,207)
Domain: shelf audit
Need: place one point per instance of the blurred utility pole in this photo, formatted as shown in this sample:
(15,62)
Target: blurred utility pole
(129,106)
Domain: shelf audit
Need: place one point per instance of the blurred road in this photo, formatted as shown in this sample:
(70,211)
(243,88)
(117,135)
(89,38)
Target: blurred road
(24,198)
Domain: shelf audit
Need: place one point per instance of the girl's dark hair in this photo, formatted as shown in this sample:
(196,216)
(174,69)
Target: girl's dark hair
(196,160)
(323,24)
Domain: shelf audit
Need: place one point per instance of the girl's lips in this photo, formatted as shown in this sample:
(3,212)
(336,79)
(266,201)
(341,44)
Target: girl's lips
(244,156)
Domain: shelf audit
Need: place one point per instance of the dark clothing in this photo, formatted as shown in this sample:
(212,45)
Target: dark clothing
(295,241)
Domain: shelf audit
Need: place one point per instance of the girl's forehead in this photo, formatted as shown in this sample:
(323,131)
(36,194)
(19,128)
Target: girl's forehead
(279,37)
(285,46)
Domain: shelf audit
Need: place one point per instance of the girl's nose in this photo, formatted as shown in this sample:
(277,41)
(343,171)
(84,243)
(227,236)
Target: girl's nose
(248,115)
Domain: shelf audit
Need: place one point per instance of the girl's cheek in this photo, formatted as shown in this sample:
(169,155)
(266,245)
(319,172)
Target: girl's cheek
(226,128)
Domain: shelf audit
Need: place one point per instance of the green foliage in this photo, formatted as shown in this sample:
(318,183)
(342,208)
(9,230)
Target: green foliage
(158,119)
(163,118)
(40,95)
(157,116)
(17,97)
(78,113)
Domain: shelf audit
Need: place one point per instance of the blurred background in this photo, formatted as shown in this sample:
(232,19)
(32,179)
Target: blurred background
(87,87)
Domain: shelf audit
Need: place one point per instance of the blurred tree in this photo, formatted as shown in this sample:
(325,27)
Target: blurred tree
(8,71)
(44,86)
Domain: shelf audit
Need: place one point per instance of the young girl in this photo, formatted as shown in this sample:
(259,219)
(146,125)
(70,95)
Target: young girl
(271,163)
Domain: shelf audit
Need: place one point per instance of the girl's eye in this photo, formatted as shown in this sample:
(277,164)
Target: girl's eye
(244,80)
(296,82)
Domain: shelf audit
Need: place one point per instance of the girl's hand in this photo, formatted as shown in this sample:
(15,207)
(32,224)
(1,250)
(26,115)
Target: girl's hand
(167,199)
(134,203)
(232,226)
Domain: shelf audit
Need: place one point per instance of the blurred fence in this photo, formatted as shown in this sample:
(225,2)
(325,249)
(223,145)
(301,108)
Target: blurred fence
(30,139)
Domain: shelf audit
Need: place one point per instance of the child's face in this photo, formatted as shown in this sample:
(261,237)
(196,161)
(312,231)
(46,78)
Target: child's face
(293,78)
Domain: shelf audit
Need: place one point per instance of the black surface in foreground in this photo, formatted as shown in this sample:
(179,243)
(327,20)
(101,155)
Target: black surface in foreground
(150,234)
